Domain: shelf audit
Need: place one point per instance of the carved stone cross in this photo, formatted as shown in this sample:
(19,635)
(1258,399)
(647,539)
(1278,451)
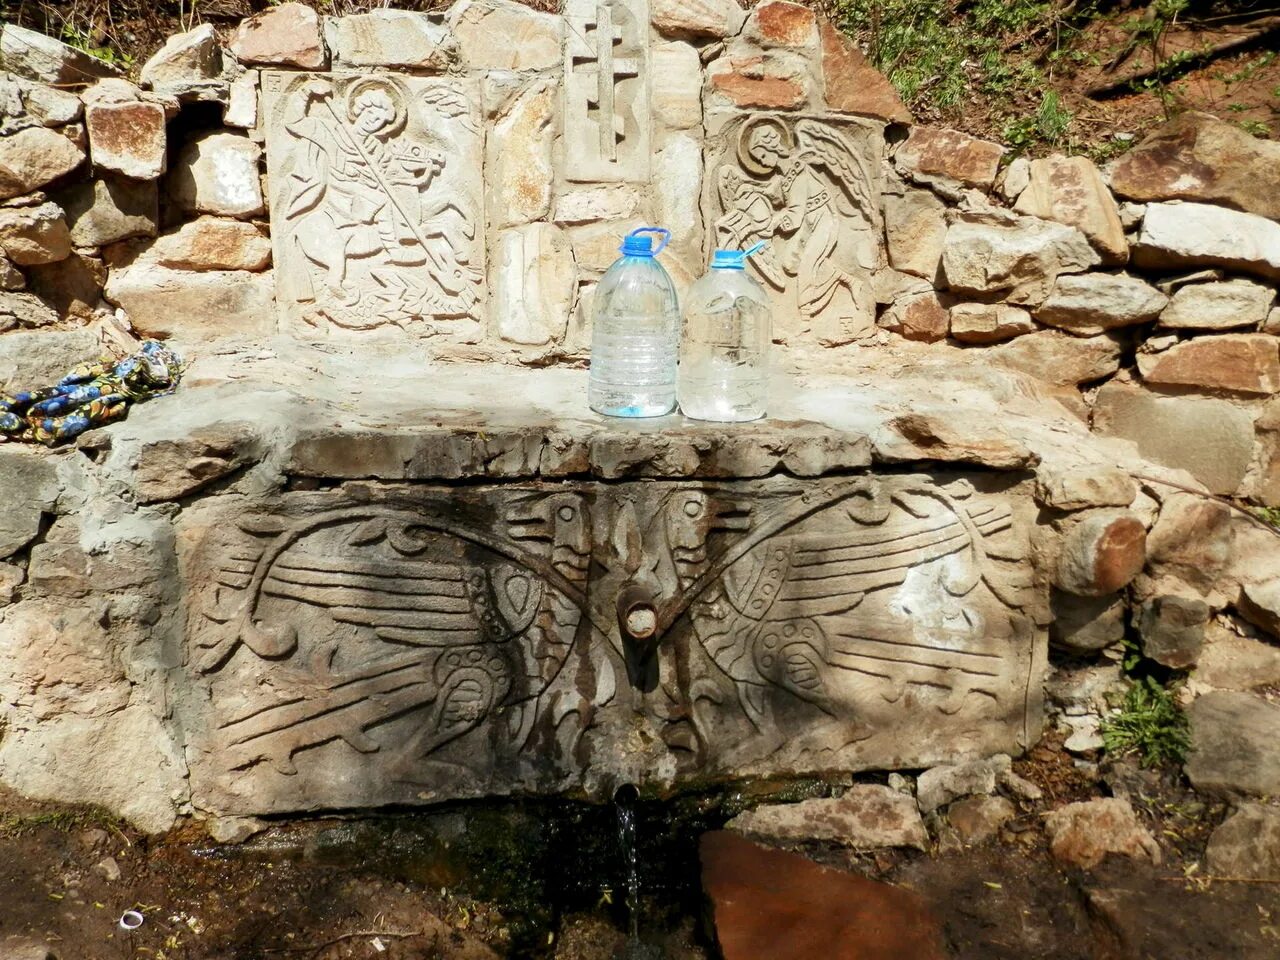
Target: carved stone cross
(608,71)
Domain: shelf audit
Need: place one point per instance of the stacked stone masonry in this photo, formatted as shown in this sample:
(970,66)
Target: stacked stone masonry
(286,602)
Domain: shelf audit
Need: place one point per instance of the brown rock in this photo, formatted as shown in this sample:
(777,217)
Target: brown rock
(1247,363)
(769,903)
(1060,358)
(1082,834)
(938,152)
(1234,748)
(1199,157)
(171,468)
(1219,306)
(20,309)
(33,157)
(1191,541)
(1082,487)
(73,287)
(1247,845)
(34,235)
(1096,302)
(866,817)
(989,322)
(852,85)
(109,209)
(1086,624)
(211,243)
(127,137)
(917,436)
(1172,630)
(286,35)
(924,317)
(748,84)
(1070,190)
(1102,553)
(915,228)
(1260,604)
(979,819)
(780,23)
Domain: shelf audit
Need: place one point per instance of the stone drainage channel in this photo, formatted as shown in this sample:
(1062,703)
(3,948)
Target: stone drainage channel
(633,863)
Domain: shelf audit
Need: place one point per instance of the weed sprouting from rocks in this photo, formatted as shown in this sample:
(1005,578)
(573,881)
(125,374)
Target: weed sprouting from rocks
(1149,724)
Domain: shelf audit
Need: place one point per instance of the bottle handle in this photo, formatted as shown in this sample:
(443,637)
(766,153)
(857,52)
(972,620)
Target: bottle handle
(663,231)
(755,248)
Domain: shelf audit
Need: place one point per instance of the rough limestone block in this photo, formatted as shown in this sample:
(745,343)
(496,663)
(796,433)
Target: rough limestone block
(1172,630)
(1086,624)
(29,486)
(41,357)
(986,323)
(1196,156)
(866,817)
(676,93)
(691,19)
(504,35)
(1244,363)
(185,59)
(924,317)
(189,306)
(1247,845)
(34,235)
(109,209)
(780,23)
(1083,834)
(212,243)
(1191,544)
(937,153)
(1060,358)
(1196,234)
(33,157)
(1082,487)
(1096,302)
(1210,439)
(218,173)
(73,287)
(520,170)
(747,77)
(915,228)
(1260,604)
(127,137)
(1020,258)
(1234,748)
(395,38)
(21,309)
(39,57)
(1070,190)
(534,284)
(31,103)
(1228,305)
(284,35)
(1102,554)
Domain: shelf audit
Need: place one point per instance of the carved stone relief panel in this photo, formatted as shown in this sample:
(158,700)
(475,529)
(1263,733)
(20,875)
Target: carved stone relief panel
(394,644)
(810,186)
(606,71)
(376,200)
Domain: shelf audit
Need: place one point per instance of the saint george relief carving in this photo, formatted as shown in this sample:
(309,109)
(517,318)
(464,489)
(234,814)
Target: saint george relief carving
(606,70)
(376,203)
(809,186)
(395,644)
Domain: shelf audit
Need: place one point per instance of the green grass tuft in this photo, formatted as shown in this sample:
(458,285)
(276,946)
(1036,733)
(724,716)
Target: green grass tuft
(1150,724)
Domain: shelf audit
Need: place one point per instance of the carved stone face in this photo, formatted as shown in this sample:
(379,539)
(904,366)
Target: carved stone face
(374,111)
(766,147)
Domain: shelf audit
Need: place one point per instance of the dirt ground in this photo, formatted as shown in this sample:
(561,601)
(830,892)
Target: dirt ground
(68,875)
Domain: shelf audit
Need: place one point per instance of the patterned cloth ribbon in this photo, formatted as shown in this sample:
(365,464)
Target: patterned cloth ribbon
(90,395)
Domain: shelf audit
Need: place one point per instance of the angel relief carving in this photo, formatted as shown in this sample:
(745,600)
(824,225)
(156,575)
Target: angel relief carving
(809,188)
(451,643)
(374,199)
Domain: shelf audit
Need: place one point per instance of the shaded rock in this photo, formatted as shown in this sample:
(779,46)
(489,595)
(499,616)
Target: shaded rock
(1070,190)
(697,18)
(39,57)
(18,309)
(108,869)
(1023,257)
(72,287)
(168,469)
(38,358)
(923,317)
(866,817)
(931,153)
(1232,662)
(989,322)
(1196,156)
(191,306)
(127,137)
(34,474)
(520,171)
(915,229)
(1082,834)
(1210,439)
(770,903)
(1260,604)
(285,35)
(851,84)
(1197,234)
(1234,748)
(1246,845)
(235,829)
(917,436)
(502,35)
(780,23)
(1172,630)
(394,38)
(1218,306)
(978,819)
(1102,553)
(534,283)
(1020,787)
(26,103)
(11,278)
(1247,363)
(218,173)
(211,243)
(1086,624)
(1272,324)
(11,577)
(939,786)
(676,85)
(34,235)
(1080,487)
(185,58)
(1060,358)
(109,209)
(1191,541)
(33,157)
(1097,302)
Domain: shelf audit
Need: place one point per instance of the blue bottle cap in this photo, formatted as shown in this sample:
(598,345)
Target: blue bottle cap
(636,244)
(734,259)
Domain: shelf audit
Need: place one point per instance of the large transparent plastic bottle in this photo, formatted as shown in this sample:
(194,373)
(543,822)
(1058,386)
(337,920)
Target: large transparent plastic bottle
(635,333)
(724,352)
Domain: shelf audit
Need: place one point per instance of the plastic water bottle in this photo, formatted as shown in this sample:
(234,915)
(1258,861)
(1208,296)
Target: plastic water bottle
(725,349)
(635,333)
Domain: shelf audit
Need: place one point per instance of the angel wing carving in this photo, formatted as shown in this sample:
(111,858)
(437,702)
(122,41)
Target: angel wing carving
(848,168)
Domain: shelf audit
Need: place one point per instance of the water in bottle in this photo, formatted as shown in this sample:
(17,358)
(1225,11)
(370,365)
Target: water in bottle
(725,347)
(635,333)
